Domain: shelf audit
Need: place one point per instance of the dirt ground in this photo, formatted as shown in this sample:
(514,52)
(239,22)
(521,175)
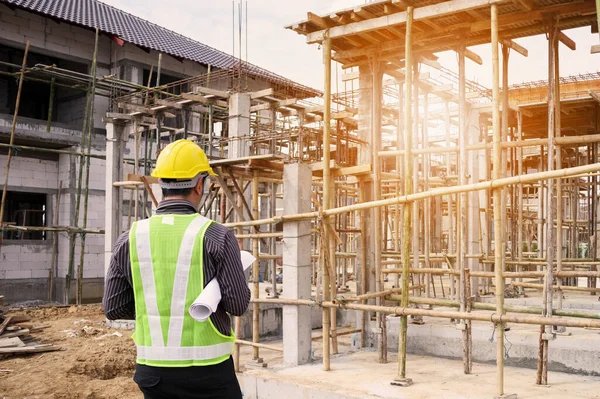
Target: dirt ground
(91,365)
(96,361)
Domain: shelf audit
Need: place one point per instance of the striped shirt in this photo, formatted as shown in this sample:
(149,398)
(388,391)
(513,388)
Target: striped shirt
(221,260)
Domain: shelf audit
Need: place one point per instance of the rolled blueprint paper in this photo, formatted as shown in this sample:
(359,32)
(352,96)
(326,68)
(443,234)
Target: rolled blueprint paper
(208,301)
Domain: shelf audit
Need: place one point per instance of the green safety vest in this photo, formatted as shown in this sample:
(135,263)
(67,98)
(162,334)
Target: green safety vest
(166,254)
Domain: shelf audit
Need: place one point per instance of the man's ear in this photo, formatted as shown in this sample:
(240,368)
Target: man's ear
(200,187)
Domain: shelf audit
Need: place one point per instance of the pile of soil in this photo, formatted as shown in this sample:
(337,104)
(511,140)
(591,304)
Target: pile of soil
(97,362)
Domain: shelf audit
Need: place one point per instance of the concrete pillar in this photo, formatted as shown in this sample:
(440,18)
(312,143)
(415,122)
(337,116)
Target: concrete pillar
(239,125)
(297,268)
(367,253)
(115,144)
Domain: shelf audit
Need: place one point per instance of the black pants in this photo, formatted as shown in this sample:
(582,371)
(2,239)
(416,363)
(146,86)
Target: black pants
(215,382)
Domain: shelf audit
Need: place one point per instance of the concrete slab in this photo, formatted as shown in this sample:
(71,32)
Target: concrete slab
(577,353)
(358,375)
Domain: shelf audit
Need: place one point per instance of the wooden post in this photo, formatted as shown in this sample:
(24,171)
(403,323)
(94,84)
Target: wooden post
(12,138)
(329,244)
(408,189)
(498,233)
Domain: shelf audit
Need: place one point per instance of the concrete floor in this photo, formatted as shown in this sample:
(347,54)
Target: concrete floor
(358,375)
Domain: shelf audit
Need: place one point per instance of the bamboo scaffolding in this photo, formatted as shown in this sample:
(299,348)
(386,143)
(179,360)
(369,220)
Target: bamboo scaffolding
(408,189)
(87,159)
(403,199)
(12,138)
(497,203)
(328,244)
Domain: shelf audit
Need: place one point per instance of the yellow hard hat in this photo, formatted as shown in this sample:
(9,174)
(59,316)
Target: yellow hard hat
(181,160)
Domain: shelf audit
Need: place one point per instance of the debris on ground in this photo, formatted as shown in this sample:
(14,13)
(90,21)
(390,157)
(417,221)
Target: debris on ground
(16,336)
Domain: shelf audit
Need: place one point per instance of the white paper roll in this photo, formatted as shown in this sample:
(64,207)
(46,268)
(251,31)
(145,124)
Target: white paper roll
(208,301)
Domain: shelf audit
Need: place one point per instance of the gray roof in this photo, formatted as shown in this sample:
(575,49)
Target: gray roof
(95,14)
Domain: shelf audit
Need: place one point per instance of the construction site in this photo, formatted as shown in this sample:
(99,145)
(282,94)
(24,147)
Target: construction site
(417,233)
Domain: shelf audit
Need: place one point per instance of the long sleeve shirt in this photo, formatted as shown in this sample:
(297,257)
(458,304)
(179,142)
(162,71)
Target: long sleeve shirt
(221,261)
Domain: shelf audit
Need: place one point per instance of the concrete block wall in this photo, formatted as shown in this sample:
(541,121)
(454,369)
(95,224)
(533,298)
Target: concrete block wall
(31,173)
(23,261)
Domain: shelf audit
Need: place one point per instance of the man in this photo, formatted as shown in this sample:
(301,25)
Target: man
(160,267)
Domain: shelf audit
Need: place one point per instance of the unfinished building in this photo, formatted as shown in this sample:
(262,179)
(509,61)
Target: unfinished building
(413,196)
(46,202)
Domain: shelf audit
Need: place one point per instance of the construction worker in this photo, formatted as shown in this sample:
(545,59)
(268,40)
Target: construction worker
(160,267)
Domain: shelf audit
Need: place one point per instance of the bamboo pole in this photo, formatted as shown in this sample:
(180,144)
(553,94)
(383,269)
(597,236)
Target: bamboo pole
(238,320)
(48,150)
(489,306)
(255,271)
(463,226)
(363,264)
(80,171)
(483,274)
(408,171)
(559,287)
(565,140)
(400,170)
(416,206)
(451,248)
(497,159)
(376,102)
(50,105)
(12,137)
(490,317)
(261,346)
(54,258)
(520,191)
(551,201)
(87,173)
(427,202)
(559,199)
(493,317)
(328,242)
(403,199)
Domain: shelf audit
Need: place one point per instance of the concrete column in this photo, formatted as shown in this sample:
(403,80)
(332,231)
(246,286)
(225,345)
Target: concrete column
(239,125)
(366,245)
(115,144)
(297,266)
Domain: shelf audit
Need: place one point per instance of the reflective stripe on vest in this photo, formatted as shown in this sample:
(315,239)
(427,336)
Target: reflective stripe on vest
(152,350)
(185,352)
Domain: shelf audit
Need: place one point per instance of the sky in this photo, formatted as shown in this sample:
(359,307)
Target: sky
(286,53)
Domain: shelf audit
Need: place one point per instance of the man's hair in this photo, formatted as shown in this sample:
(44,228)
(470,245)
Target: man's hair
(178,192)
(175,192)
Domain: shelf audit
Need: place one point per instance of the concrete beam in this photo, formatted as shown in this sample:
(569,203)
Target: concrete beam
(421,13)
